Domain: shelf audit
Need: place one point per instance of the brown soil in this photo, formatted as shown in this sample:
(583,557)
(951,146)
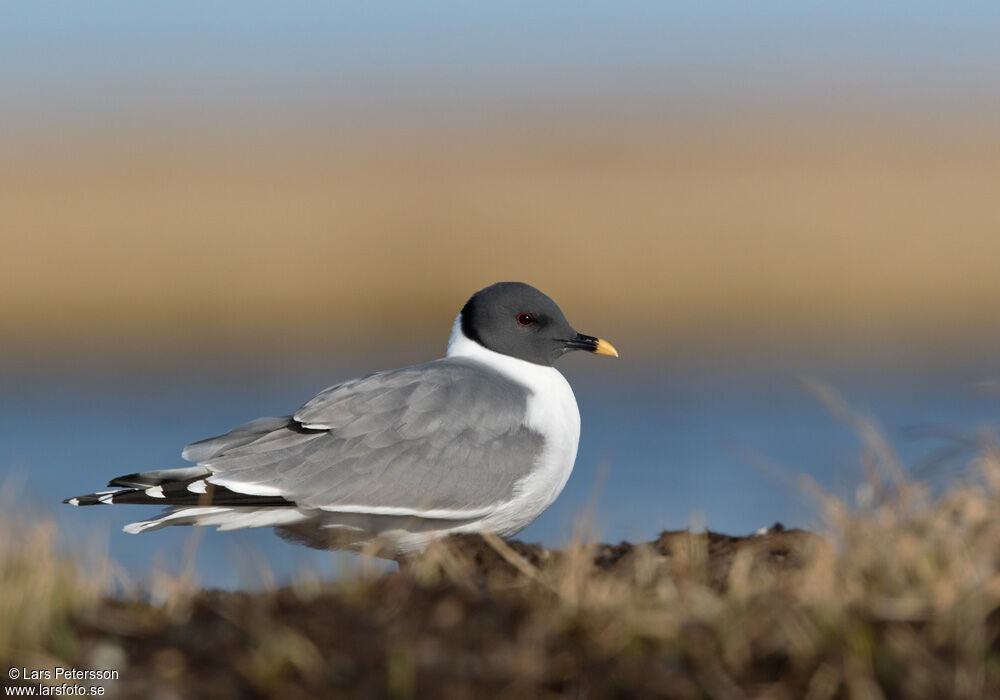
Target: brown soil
(485,632)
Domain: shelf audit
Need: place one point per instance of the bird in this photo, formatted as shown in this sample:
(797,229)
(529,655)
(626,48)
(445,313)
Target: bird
(481,440)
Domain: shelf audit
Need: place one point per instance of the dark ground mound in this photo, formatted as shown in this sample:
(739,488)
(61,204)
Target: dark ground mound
(479,620)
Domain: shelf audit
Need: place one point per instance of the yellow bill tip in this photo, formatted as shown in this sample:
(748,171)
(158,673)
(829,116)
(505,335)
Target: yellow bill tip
(605,348)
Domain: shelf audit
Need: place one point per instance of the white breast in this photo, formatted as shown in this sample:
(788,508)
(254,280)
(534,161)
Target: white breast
(552,412)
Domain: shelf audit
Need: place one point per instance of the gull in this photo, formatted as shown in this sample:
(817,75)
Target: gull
(481,440)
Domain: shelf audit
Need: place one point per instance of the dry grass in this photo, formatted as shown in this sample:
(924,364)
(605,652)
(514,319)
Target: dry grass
(42,590)
(900,598)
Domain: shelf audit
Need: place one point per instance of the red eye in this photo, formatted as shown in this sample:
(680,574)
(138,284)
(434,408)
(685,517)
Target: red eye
(525,319)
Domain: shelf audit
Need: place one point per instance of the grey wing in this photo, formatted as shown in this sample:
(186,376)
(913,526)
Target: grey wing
(444,439)
(242,435)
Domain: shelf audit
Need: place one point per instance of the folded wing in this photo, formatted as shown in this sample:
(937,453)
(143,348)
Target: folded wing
(444,439)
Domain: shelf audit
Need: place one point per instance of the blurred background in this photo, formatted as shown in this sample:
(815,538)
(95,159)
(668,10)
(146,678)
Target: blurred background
(209,212)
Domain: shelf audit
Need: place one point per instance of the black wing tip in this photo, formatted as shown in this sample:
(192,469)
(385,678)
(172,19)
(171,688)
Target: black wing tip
(178,494)
(88,499)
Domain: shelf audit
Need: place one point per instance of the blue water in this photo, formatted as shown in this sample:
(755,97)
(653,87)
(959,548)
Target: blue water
(662,447)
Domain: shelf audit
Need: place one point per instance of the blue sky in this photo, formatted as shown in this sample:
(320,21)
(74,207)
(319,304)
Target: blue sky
(363,57)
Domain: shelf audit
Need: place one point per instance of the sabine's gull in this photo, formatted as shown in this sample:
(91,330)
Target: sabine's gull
(482,439)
